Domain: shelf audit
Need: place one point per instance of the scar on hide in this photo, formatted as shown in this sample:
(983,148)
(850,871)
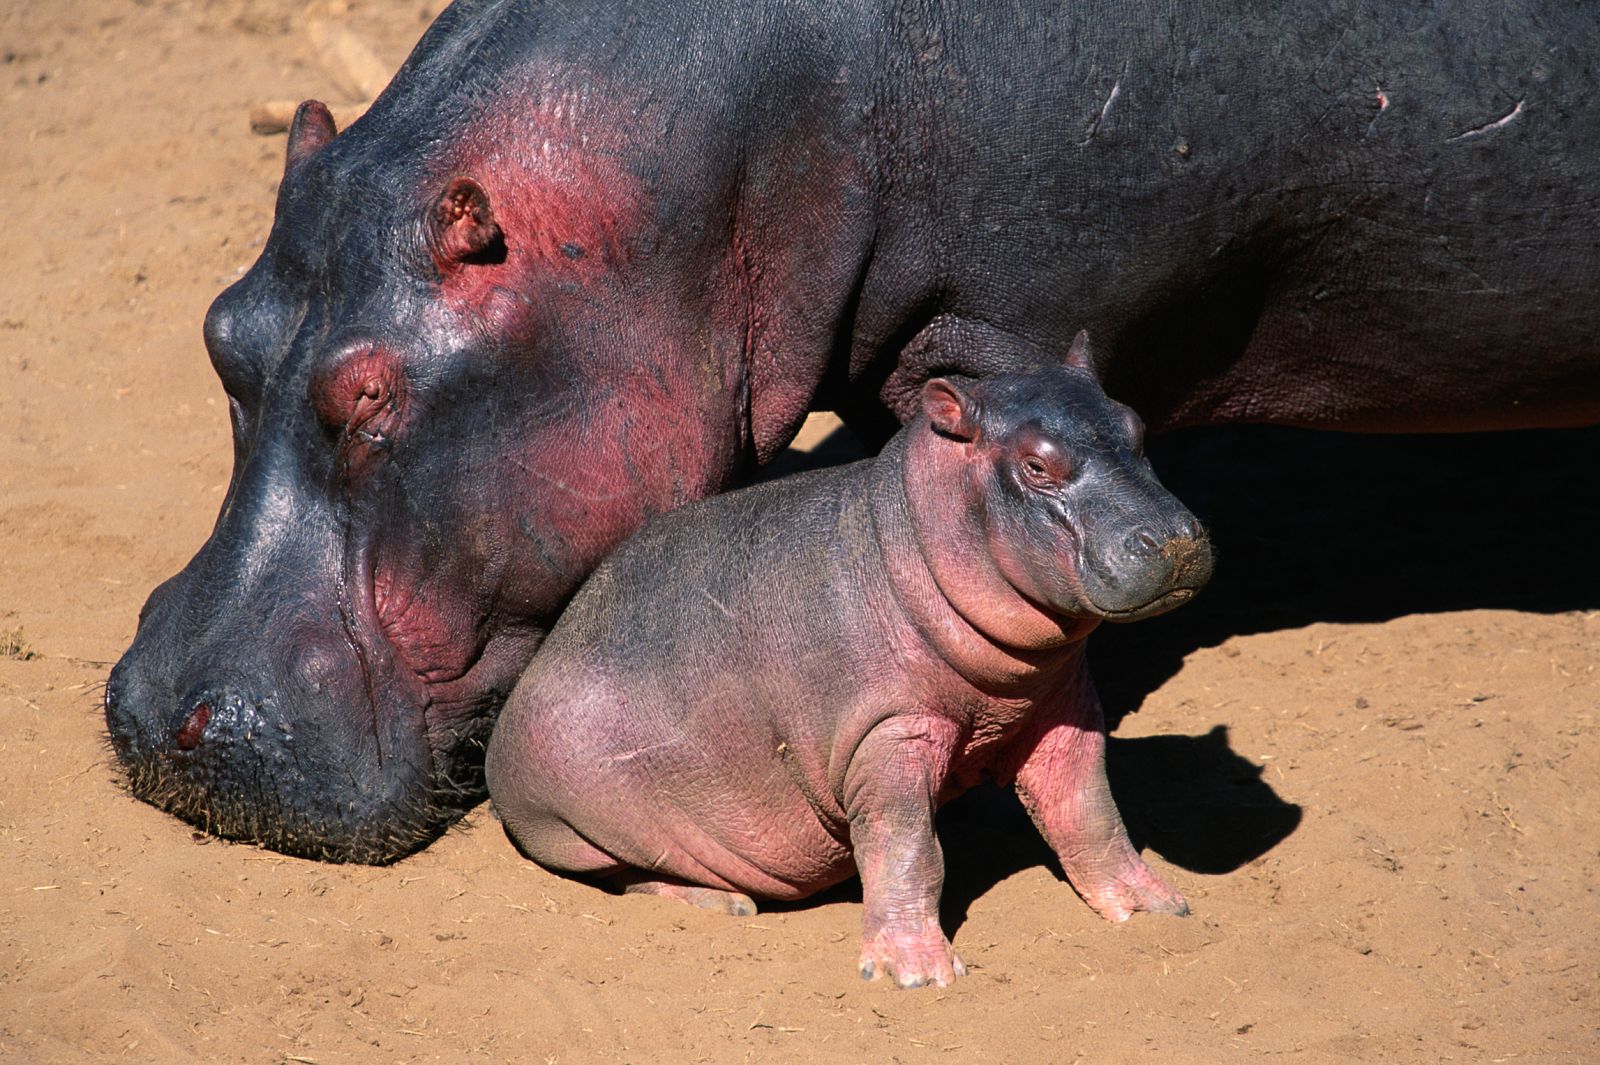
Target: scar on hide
(1488,127)
(1383,105)
(719,604)
(628,756)
(1105,108)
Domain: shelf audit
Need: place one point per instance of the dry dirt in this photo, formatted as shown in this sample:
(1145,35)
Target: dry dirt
(1367,755)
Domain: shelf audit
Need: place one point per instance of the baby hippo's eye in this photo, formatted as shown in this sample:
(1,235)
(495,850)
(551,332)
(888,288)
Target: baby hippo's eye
(1038,460)
(1043,471)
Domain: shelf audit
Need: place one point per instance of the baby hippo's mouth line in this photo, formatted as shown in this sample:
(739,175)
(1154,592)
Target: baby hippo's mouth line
(1159,605)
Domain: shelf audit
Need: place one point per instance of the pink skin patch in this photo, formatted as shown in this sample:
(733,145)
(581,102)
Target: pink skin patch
(913,954)
(551,170)
(431,633)
(595,475)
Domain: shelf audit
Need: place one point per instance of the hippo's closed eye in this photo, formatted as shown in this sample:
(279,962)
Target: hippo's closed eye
(361,397)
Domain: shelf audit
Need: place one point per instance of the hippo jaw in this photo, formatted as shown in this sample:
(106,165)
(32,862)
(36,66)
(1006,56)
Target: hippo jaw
(1160,605)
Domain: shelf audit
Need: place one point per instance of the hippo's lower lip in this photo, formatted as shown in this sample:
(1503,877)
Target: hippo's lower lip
(1159,605)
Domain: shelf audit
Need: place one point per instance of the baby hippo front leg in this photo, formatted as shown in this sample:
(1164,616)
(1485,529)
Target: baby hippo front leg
(891,789)
(1062,782)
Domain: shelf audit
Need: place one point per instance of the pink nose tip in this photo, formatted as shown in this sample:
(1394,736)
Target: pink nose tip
(193,727)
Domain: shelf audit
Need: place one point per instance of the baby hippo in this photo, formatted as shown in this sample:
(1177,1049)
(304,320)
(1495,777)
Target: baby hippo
(765,692)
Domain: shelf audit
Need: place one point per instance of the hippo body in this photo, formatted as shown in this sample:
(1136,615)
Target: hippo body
(581,264)
(762,692)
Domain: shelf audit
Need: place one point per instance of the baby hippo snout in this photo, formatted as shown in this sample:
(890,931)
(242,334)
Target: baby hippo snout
(1153,568)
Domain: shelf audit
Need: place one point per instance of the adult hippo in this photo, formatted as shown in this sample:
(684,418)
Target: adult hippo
(581,263)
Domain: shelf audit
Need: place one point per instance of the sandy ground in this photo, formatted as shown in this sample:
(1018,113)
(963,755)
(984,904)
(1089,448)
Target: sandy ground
(1367,754)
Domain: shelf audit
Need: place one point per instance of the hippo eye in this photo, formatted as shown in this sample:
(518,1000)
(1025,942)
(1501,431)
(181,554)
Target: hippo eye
(357,388)
(1037,472)
(361,396)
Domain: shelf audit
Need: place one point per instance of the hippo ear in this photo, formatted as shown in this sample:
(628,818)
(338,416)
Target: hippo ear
(461,226)
(311,129)
(950,409)
(1080,354)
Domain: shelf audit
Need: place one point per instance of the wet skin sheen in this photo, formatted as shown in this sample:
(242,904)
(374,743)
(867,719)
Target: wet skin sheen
(582,263)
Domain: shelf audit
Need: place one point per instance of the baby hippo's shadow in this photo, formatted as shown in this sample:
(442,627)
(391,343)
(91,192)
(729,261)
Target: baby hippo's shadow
(1190,799)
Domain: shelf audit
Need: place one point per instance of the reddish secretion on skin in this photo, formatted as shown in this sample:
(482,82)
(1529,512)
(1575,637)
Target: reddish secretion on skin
(636,437)
(425,632)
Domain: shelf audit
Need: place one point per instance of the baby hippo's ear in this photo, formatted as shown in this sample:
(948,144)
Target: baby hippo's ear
(951,410)
(1081,355)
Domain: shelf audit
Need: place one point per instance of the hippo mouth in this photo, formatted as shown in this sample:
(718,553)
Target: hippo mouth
(1160,605)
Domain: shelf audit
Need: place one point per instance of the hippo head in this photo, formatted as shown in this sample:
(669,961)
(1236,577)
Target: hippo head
(1071,513)
(444,413)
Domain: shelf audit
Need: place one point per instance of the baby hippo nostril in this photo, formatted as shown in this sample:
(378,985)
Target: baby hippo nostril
(193,727)
(1142,543)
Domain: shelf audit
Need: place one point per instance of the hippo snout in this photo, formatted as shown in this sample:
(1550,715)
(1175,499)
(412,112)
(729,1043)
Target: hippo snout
(246,762)
(1150,570)
(213,724)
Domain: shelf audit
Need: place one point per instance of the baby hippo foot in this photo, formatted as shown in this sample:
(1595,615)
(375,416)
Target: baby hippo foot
(732,903)
(1116,888)
(911,957)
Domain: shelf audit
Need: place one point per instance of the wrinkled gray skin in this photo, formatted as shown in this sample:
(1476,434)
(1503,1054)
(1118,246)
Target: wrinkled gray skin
(685,224)
(765,692)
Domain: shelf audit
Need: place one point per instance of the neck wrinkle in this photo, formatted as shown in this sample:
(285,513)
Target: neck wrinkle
(976,623)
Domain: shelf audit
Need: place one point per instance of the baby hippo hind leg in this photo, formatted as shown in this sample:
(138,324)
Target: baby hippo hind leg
(734,903)
(889,795)
(1062,782)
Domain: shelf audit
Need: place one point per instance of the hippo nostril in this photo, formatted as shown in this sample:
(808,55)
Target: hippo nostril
(1141,543)
(193,727)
